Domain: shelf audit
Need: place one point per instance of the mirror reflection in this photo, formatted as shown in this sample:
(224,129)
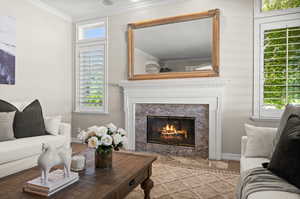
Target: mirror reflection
(174,47)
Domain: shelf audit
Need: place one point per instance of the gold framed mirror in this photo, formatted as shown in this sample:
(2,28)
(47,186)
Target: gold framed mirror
(185,46)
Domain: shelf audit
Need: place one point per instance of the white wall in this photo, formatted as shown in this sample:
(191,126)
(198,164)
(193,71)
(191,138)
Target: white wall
(236,62)
(43,58)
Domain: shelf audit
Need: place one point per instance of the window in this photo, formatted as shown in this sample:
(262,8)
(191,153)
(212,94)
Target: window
(276,62)
(91,31)
(269,5)
(91,70)
(267,8)
(281,67)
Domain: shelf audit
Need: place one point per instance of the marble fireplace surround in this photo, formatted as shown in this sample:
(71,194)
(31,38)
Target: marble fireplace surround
(206,91)
(198,111)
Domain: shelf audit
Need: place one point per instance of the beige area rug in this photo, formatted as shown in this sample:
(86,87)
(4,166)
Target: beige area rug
(190,178)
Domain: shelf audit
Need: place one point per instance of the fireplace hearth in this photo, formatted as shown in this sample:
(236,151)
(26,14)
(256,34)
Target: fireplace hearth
(171,130)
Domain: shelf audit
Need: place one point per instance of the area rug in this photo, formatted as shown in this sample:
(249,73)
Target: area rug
(179,178)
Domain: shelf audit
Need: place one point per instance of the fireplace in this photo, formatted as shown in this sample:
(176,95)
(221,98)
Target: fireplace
(171,130)
(177,129)
(201,98)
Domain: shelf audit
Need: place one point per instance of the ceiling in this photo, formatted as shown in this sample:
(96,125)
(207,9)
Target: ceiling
(185,40)
(84,9)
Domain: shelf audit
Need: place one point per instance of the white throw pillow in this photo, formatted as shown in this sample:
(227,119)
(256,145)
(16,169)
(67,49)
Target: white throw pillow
(22,105)
(52,124)
(6,126)
(260,141)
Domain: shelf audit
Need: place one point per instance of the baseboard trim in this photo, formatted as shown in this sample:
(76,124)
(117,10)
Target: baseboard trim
(231,156)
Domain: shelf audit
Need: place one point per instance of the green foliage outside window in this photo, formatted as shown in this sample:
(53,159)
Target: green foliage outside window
(91,79)
(282,67)
(93,95)
(269,5)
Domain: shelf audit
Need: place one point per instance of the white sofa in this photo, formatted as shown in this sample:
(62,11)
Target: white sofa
(20,154)
(249,163)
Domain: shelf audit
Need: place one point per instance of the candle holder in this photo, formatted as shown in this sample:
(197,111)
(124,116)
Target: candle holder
(78,163)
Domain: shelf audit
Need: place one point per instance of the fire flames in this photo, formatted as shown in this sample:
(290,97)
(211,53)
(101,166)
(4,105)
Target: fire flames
(170,131)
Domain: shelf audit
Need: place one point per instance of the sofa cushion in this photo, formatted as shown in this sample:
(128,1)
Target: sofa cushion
(6,126)
(26,147)
(251,163)
(286,160)
(273,195)
(260,141)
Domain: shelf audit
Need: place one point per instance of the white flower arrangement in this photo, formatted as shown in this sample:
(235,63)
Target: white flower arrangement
(104,138)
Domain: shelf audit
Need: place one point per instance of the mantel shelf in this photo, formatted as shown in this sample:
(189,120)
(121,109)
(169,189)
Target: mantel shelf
(199,82)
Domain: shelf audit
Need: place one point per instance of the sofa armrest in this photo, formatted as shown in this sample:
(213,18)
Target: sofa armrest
(243,145)
(65,130)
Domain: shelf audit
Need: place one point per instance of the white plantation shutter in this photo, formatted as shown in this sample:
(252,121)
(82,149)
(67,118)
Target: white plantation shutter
(91,67)
(276,58)
(91,78)
(281,67)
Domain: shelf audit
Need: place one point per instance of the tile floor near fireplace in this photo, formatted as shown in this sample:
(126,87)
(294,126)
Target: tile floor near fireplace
(180,129)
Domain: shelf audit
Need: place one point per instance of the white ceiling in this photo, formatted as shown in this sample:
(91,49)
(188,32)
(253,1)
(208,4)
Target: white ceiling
(185,40)
(84,9)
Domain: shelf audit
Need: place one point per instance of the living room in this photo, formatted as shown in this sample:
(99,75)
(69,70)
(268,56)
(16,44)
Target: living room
(150,98)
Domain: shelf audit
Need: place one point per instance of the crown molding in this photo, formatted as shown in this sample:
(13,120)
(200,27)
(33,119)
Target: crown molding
(50,9)
(123,9)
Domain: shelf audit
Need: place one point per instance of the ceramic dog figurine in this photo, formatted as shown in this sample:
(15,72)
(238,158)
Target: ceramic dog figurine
(53,157)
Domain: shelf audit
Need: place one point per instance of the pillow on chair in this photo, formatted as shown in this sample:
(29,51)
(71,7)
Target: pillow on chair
(285,160)
(260,141)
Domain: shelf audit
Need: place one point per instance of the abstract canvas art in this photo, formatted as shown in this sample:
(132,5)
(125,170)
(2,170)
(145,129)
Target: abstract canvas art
(7,50)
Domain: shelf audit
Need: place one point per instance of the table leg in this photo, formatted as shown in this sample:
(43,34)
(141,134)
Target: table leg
(147,185)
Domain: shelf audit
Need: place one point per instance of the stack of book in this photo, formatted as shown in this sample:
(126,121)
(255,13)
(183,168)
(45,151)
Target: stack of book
(56,182)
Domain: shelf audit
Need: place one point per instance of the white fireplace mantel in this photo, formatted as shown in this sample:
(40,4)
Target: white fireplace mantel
(177,91)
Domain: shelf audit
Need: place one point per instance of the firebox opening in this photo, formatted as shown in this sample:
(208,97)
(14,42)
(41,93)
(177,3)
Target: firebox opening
(170,130)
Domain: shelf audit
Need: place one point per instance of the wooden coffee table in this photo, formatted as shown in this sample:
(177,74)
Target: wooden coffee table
(129,171)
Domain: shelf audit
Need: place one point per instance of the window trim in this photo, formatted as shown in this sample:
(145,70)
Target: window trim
(258,13)
(89,43)
(259,26)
